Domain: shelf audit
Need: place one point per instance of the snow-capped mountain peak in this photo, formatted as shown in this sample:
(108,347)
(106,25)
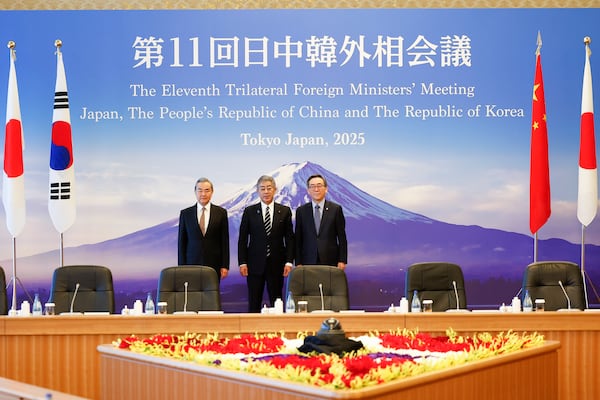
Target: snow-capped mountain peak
(291,191)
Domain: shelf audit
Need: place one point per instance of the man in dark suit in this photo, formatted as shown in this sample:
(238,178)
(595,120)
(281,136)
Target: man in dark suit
(320,229)
(265,245)
(204,232)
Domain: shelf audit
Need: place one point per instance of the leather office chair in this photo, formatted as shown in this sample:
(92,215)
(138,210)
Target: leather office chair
(304,282)
(3,297)
(202,290)
(541,279)
(434,281)
(95,293)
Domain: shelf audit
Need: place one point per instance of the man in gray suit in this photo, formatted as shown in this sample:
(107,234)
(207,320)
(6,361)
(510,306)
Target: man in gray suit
(320,229)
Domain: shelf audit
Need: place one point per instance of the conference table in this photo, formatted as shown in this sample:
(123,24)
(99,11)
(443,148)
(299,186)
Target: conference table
(60,352)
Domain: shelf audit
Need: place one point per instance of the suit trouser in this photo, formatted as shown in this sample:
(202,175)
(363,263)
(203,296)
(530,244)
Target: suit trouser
(273,278)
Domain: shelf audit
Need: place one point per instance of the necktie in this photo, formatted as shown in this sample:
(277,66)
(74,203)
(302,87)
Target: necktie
(317,217)
(268,226)
(202,222)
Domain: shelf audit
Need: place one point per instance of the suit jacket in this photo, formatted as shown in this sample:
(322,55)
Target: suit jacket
(252,242)
(330,246)
(212,249)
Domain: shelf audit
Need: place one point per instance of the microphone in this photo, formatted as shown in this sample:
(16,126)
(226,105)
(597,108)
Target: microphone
(185,300)
(72,302)
(455,294)
(568,299)
(75,295)
(457,309)
(323,301)
(322,310)
(185,285)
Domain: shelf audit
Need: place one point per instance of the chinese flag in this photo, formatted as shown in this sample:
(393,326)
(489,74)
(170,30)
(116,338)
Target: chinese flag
(539,182)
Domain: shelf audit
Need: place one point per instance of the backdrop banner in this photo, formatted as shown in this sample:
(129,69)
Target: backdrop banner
(420,119)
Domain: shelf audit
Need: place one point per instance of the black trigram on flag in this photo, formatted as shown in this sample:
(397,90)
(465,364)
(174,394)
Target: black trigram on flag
(61,100)
(60,190)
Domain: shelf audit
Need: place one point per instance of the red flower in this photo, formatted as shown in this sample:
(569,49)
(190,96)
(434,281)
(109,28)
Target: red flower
(125,343)
(314,364)
(360,365)
(423,342)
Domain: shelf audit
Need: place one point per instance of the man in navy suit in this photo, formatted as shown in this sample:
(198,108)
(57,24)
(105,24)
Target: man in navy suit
(320,229)
(265,245)
(204,232)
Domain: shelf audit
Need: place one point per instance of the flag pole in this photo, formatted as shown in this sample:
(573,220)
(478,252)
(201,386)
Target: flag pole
(13,188)
(586,41)
(62,254)
(583,264)
(13,308)
(587,196)
(61,175)
(535,235)
(535,246)
(539,178)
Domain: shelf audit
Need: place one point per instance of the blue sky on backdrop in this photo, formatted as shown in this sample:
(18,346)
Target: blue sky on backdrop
(133,174)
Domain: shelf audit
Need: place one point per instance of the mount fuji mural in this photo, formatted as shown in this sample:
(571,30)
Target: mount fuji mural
(383,241)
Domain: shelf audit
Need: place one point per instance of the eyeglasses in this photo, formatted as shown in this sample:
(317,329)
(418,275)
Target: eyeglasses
(316,186)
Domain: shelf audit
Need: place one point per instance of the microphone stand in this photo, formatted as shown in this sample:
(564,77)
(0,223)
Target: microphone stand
(322,310)
(185,296)
(322,300)
(71,312)
(457,309)
(568,299)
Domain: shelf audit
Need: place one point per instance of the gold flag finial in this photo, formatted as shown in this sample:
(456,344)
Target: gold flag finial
(587,40)
(13,53)
(58,45)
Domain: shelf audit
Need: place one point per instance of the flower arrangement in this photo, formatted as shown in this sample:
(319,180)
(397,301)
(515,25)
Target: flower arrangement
(383,358)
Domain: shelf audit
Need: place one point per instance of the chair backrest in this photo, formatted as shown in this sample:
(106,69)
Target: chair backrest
(541,279)
(202,288)
(304,282)
(3,297)
(434,281)
(95,293)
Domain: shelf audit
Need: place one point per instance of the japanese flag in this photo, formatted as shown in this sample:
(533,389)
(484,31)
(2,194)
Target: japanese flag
(13,184)
(587,197)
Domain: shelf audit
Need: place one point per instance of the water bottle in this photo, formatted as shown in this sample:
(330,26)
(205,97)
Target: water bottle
(149,308)
(416,303)
(516,304)
(37,305)
(527,303)
(278,306)
(290,305)
(403,306)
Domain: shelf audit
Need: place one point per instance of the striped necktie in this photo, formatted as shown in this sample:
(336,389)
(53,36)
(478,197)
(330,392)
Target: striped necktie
(268,225)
